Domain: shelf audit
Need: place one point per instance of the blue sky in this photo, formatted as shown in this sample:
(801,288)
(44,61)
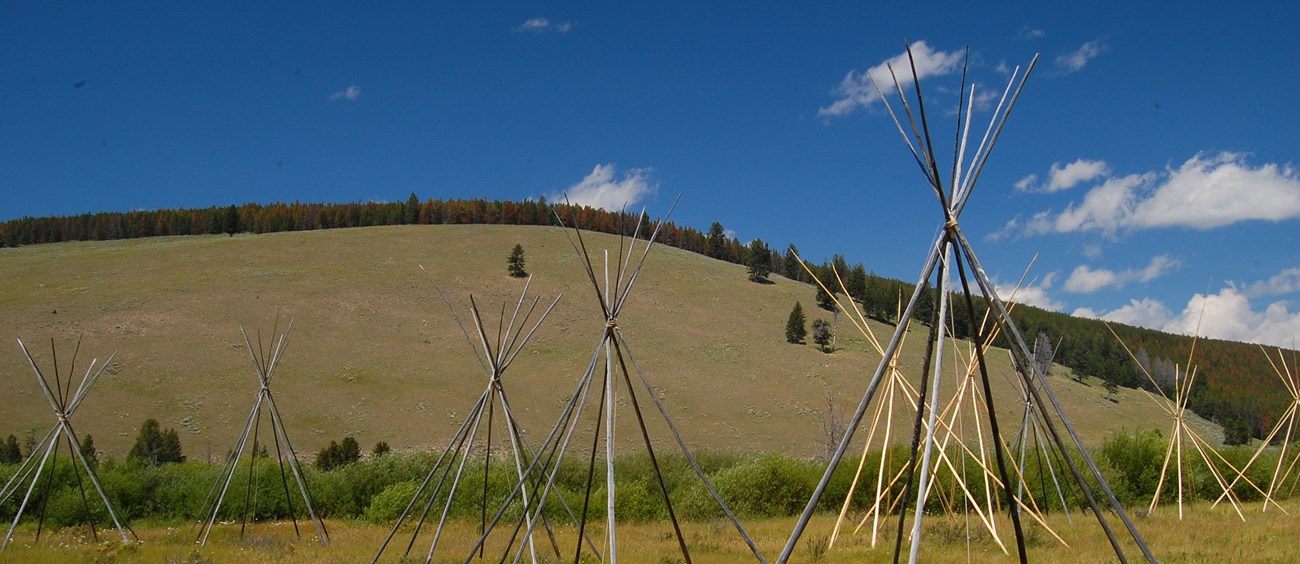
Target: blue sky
(1148,165)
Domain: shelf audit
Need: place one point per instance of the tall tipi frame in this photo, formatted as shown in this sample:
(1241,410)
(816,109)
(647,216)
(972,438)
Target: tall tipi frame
(265,358)
(64,400)
(494,357)
(951,248)
(612,361)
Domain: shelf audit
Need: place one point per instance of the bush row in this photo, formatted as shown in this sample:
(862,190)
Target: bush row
(379,488)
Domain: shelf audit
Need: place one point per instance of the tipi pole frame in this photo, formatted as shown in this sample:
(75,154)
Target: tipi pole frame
(612,298)
(951,228)
(63,408)
(511,338)
(265,370)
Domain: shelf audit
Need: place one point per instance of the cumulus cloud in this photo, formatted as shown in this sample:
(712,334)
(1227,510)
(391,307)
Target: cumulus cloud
(1075,61)
(1203,193)
(350,93)
(856,91)
(600,189)
(1085,279)
(541,25)
(1227,314)
(1064,176)
(1146,312)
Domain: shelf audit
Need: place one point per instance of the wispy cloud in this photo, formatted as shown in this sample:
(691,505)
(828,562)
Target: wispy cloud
(1063,177)
(1285,282)
(1028,32)
(600,189)
(350,93)
(1075,61)
(856,91)
(1086,280)
(1227,314)
(542,25)
(1203,193)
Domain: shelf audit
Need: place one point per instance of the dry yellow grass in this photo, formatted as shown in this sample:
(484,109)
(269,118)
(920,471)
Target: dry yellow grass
(1205,535)
(375,354)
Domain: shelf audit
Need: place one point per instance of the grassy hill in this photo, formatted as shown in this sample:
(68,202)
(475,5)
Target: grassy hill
(375,353)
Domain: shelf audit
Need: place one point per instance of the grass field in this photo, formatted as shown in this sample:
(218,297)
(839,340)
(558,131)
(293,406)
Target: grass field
(1205,535)
(375,354)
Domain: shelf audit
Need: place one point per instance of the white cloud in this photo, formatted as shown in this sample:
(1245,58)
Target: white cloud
(1074,62)
(540,25)
(600,190)
(856,91)
(1285,282)
(1208,193)
(1063,177)
(1145,312)
(350,93)
(1031,294)
(1226,315)
(1068,176)
(1203,193)
(1085,279)
(1032,33)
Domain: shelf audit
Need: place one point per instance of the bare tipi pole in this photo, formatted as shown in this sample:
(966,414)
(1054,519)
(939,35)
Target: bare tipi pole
(494,358)
(64,400)
(951,240)
(1031,437)
(1180,432)
(885,499)
(611,362)
(265,361)
(1285,429)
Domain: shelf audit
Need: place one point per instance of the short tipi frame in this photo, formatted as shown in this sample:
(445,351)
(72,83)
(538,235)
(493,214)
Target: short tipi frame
(494,358)
(1285,426)
(64,400)
(265,361)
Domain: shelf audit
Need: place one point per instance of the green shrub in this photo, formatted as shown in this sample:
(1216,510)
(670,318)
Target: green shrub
(388,504)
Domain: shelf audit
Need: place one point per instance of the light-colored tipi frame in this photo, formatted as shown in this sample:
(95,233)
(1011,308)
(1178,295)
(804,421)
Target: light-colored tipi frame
(897,388)
(1288,421)
(612,360)
(494,358)
(265,362)
(1181,431)
(64,400)
(951,248)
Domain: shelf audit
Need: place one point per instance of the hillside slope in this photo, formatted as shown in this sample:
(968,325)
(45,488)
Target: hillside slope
(375,353)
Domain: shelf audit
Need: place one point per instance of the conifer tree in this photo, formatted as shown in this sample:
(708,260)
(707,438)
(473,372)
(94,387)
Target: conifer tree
(759,261)
(9,451)
(822,334)
(515,264)
(795,330)
(154,447)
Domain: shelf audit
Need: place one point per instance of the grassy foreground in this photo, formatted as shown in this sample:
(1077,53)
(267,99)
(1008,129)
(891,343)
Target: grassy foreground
(1205,534)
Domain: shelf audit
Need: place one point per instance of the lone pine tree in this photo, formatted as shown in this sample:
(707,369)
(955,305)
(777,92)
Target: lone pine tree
(515,264)
(795,329)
